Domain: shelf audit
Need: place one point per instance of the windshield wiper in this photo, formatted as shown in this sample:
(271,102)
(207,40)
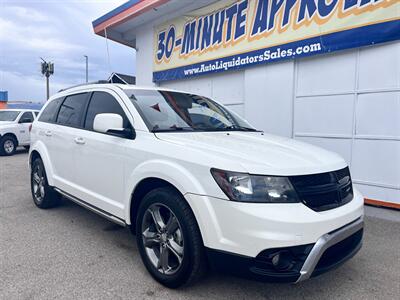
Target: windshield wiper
(172,129)
(237,127)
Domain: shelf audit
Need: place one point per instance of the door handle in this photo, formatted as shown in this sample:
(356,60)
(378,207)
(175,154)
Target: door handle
(79,141)
(48,133)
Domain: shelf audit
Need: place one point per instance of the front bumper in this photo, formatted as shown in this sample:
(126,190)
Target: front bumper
(302,262)
(249,228)
(241,237)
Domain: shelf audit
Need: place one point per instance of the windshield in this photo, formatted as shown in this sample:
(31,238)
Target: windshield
(172,111)
(7,115)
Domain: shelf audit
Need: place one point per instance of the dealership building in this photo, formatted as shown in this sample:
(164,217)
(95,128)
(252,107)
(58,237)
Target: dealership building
(326,72)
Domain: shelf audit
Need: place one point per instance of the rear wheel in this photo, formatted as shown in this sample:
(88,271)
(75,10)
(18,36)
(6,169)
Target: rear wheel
(43,195)
(8,145)
(169,239)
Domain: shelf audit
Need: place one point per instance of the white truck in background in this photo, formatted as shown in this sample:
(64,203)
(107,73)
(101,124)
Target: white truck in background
(14,129)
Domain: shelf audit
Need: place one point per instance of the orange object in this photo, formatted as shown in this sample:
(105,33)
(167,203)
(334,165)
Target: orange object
(382,203)
(3,105)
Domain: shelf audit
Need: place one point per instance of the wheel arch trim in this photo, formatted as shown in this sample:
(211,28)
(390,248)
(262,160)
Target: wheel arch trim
(10,134)
(175,175)
(40,148)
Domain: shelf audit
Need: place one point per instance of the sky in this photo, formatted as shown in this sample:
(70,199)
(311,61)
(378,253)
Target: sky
(60,31)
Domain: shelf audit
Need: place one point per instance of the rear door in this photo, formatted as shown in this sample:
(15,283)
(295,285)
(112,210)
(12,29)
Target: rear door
(63,134)
(100,158)
(42,129)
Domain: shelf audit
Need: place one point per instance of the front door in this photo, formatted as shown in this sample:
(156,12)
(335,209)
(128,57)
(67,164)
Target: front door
(100,158)
(24,122)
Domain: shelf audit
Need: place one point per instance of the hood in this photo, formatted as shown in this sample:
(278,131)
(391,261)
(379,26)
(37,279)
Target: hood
(5,123)
(259,153)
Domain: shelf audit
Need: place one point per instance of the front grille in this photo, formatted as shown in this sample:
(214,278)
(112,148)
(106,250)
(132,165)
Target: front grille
(325,190)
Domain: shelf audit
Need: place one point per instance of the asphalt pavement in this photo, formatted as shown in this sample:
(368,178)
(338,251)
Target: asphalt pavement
(70,253)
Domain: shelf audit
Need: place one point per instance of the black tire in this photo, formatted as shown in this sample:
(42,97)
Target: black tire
(43,195)
(27,147)
(193,264)
(8,145)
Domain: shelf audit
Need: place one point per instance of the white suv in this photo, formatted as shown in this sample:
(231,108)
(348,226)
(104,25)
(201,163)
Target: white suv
(14,129)
(197,184)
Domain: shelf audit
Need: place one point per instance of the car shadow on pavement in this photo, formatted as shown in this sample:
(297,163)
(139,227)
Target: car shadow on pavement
(21,150)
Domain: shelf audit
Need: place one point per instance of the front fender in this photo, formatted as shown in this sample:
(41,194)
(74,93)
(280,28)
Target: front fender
(175,174)
(9,130)
(44,154)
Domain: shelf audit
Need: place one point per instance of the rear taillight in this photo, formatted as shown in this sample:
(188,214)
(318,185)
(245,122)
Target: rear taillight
(30,128)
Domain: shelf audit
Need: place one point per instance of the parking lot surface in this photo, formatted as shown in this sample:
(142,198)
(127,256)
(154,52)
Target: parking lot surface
(70,253)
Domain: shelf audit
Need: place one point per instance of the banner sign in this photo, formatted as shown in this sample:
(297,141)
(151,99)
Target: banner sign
(231,34)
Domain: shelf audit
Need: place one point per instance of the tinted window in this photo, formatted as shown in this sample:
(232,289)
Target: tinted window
(28,116)
(50,112)
(100,103)
(36,113)
(71,110)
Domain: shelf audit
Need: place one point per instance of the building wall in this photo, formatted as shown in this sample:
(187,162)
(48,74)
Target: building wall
(3,96)
(144,55)
(350,103)
(3,99)
(347,102)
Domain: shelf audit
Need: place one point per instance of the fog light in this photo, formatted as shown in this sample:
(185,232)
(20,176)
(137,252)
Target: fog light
(282,261)
(275,259)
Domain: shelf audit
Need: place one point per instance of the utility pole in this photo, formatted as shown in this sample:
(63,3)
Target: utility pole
(47,70)
(87,68)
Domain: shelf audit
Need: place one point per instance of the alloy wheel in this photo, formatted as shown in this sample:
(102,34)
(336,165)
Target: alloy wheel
(38,182)
(163,239)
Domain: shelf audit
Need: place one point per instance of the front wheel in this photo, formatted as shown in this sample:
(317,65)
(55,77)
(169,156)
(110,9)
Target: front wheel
(8,145)
(169,239)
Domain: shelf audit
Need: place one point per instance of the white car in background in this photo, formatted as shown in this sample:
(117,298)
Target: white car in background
(14,129)
(196,183)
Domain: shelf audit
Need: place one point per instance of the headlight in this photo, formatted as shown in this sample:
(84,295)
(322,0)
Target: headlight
(244,187)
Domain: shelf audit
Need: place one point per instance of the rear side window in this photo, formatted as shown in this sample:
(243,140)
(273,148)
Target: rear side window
(71,110)
(26,116)
(49,114)
(36,113)
(100,103)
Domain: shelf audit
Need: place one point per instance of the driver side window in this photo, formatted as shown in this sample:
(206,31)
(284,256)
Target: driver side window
(26,117)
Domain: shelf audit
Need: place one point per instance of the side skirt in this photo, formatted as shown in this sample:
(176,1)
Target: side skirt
(92,208)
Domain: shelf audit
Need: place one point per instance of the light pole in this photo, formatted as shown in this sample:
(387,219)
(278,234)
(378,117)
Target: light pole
(87,68)
(47,70)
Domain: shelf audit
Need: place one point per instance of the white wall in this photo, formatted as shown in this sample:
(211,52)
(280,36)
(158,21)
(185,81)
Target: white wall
(348,102)
(144,55)
(269,97)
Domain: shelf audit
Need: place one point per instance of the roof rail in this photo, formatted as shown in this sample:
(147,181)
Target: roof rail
(83,84)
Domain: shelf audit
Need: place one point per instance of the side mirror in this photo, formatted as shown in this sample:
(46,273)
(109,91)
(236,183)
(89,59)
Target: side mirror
(112,124)
(25,120)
